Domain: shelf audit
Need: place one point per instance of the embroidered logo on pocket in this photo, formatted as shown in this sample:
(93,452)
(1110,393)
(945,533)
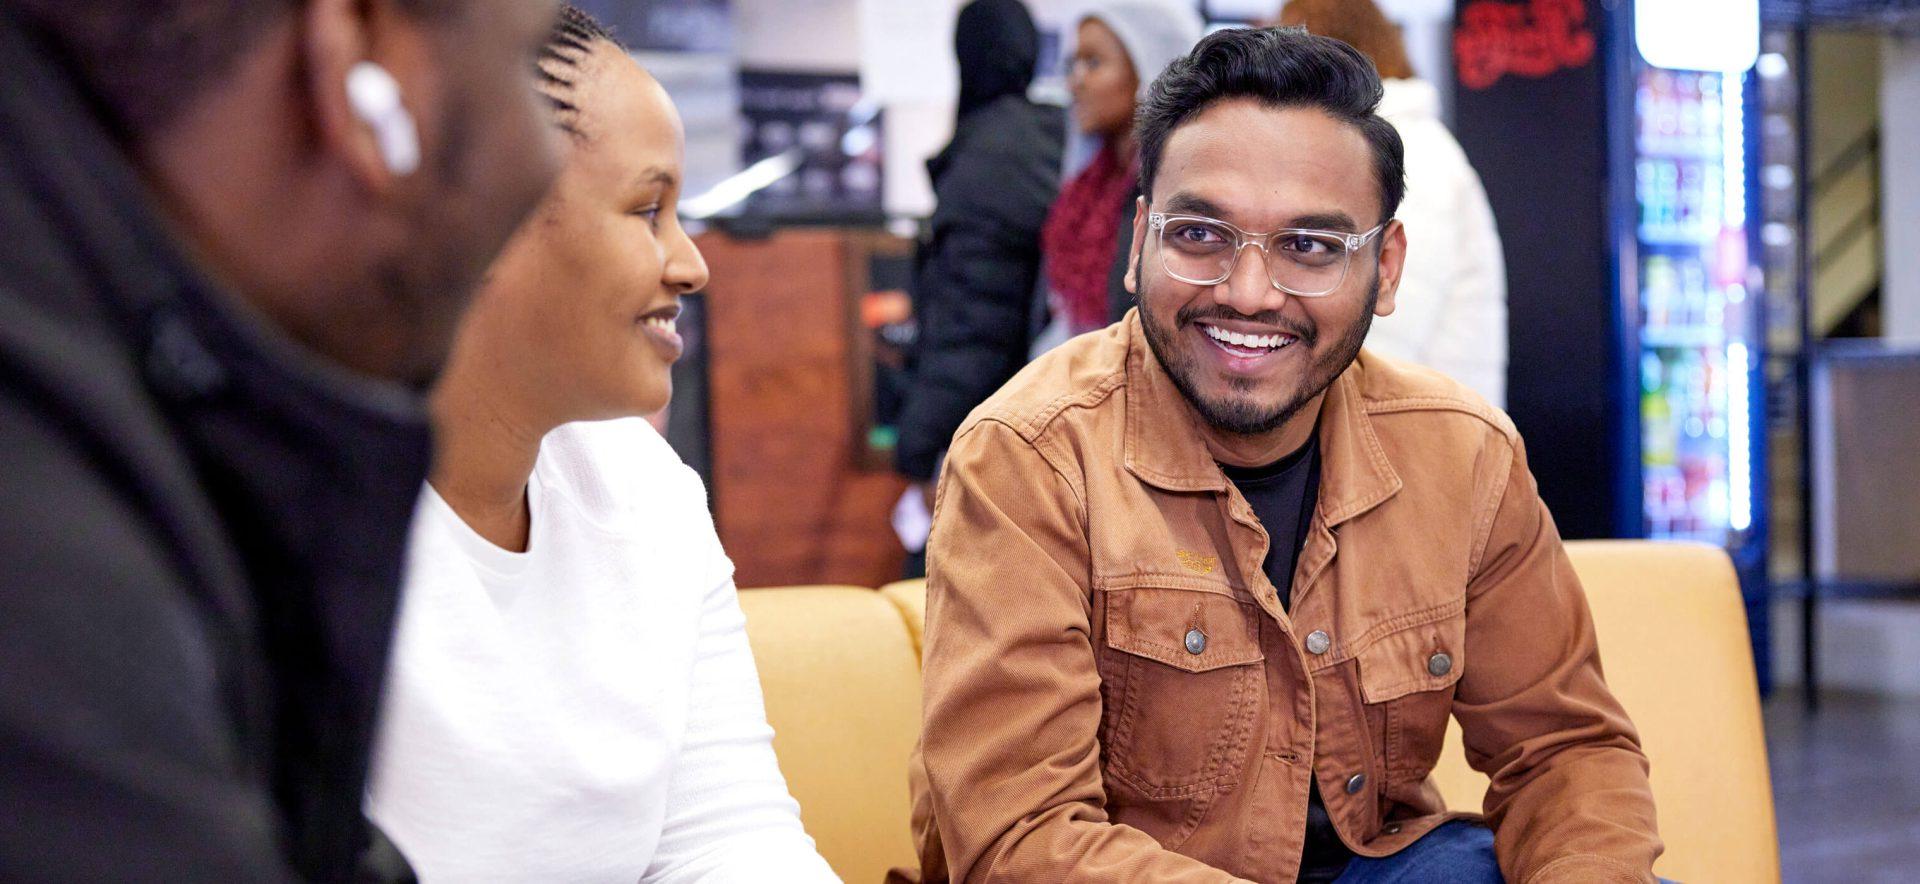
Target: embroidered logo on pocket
(1198,563)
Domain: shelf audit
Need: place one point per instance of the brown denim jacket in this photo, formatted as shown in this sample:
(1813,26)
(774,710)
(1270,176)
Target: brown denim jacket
(1113,691)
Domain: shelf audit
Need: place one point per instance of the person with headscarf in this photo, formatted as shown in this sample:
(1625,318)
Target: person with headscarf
(978,269)
(1120,46)
(1452,315)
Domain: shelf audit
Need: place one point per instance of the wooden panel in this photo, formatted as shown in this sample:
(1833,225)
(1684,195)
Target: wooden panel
(1866,418)
(793,503)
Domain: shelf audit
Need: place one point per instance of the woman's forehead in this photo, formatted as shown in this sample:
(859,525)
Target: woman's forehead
(625,111)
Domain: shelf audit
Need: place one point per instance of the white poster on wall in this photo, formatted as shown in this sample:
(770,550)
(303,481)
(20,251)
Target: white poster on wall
(906,50)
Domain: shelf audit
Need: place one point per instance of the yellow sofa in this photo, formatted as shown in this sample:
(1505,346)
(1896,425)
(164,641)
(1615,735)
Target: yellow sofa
(840,667)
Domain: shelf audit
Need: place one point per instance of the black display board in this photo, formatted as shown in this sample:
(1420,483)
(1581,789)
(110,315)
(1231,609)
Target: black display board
(1531,111)
(836,132)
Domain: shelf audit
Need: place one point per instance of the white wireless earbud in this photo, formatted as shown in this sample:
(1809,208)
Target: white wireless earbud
(375,97)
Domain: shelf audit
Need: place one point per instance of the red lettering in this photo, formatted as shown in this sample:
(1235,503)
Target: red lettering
(1541,37)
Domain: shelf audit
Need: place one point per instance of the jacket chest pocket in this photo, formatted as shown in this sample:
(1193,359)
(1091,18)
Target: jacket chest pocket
(1407,680)
(1183,685)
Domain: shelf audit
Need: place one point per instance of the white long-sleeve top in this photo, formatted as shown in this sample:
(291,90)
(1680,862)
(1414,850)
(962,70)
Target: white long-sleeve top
(1451,312)
(587,710)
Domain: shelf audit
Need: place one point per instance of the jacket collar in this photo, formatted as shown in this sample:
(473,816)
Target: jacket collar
(1164,446)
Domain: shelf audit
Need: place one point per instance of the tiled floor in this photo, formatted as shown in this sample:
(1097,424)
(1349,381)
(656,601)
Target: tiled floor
(1846,785)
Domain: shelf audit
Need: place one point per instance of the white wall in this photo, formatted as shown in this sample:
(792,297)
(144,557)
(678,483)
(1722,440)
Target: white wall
(821,36)
(1865,645)
(1900,185)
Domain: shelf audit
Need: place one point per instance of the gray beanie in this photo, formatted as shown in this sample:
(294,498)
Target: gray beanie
(1154,32)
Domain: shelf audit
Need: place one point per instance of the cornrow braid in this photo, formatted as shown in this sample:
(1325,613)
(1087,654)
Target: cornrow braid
(558,65)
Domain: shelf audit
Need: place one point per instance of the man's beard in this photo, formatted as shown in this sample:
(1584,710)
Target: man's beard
(1241,414)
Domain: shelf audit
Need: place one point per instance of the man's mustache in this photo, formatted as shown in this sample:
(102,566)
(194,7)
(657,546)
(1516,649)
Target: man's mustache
(1271,318)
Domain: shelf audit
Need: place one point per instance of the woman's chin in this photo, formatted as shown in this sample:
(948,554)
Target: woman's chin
(652,401)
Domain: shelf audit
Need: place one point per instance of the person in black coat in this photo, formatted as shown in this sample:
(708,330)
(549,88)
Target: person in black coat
(975,287)
(239,236)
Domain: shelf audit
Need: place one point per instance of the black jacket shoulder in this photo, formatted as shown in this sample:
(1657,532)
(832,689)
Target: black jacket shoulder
(979,268)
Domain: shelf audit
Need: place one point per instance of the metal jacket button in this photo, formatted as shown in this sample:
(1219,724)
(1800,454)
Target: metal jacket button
(1358,782)
(1318,642)
(1196,642)
(1440,664)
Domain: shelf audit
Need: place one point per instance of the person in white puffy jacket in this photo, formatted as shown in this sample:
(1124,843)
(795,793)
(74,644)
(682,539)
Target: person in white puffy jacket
(1452,311)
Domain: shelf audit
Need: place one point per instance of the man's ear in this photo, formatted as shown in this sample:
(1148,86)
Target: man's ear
(1393,260)
(342,42)
(1132,280)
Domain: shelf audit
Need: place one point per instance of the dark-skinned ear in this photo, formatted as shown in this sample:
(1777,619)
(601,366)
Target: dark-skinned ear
(1393,262)
(1132,279)
(357,100)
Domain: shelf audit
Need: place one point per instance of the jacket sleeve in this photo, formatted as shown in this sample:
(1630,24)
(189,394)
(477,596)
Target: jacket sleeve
(1568,798)
(975,295)
(119,755)
(729,817)
(1010,784)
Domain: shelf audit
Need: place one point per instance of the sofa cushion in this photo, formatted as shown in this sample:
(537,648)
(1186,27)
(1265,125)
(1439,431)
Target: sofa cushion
(842,680)
(1674,645)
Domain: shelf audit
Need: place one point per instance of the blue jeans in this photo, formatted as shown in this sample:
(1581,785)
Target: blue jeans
(1459,852)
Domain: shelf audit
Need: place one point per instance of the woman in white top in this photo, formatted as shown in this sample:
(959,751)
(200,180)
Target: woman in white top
(572,697)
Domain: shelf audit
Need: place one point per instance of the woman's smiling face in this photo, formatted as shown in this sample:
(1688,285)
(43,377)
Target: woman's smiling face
(583,301)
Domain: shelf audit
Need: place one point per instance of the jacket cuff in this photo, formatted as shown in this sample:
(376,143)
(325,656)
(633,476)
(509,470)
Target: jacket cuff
(1586,867)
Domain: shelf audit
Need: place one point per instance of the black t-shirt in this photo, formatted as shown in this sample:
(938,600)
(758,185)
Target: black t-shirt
(1283,495)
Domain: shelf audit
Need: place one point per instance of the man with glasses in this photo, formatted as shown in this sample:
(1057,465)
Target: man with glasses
(1206,587)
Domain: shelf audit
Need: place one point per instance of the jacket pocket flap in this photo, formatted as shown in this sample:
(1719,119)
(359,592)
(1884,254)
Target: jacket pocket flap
(1192,630)
(1427,656)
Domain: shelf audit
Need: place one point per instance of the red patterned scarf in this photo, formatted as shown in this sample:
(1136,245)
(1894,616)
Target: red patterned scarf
(1082,236)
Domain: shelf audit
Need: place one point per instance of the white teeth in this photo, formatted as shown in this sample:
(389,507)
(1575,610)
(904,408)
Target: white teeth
(1251,342)
(666,325)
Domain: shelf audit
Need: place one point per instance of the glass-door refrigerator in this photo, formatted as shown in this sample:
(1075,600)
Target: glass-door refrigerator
(1690,289)
(1688,298)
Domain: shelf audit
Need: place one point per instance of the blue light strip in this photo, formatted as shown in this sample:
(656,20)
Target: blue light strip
(1739,439)
(1733,126)
(1733,147)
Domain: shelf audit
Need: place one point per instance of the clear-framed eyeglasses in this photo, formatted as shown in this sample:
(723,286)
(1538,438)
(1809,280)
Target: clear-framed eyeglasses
(1306,263)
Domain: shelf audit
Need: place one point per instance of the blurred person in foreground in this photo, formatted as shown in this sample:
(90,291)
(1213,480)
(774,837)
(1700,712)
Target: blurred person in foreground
(239,237)
(1452,312)
(978,269)
(1119,47)
(572,696)
(1206,587)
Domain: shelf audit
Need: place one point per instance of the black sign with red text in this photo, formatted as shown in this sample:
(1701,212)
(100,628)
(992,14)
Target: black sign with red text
(1531,111)
(1532,38)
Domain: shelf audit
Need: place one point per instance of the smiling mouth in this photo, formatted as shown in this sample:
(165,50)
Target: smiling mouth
(663,324)
(664,320)
(1246,345)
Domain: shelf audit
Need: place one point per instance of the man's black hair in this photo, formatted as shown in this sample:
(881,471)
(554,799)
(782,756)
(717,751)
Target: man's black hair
(558,68)
(145,61)
(1278,67)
